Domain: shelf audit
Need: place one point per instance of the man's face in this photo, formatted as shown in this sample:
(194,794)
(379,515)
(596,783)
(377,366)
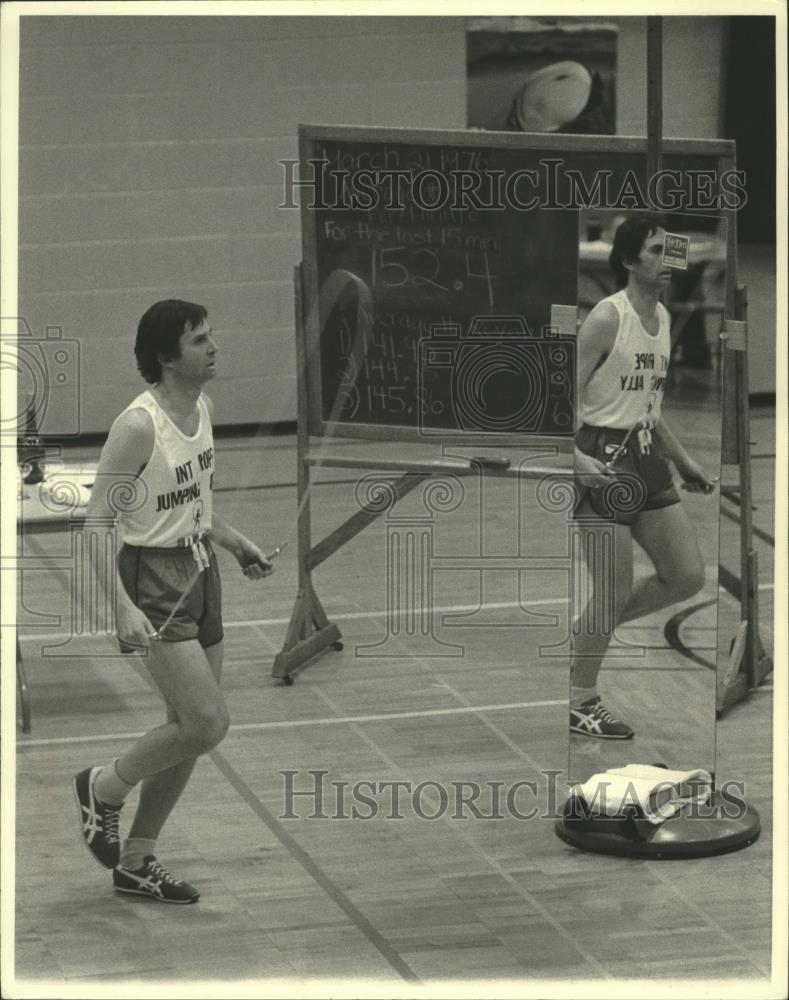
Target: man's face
(197,360)
(648,270)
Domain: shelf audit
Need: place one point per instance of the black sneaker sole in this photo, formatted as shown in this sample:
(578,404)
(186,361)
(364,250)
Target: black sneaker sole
(156,899)
(99,862)
(600,736)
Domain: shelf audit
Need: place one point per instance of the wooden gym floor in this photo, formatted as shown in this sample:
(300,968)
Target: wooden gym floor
(412,899)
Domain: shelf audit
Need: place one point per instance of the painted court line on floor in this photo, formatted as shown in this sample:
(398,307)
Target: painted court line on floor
(448,609)
(321,879)
(295,723)
(43,631)
(489,858)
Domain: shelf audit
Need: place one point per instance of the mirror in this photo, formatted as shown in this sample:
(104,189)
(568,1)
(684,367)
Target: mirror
(645,552)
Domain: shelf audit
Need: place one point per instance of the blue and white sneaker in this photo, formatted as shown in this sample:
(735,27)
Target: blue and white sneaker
(98,821)
(593,719)
(154,881)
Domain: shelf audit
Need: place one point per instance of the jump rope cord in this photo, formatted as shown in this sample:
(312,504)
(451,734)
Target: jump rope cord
(200,557)
(623,444)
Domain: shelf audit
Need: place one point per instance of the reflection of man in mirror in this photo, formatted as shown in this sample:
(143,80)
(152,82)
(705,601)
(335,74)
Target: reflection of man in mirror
(622,455)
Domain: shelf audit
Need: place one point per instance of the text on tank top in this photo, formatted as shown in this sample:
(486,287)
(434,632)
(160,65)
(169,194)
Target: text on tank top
(628,386)
(174,502)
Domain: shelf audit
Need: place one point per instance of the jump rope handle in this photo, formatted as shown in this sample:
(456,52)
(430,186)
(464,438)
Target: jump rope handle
(707,488)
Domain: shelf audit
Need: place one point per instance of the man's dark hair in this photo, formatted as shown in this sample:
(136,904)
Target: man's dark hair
(159,333)
(628,240)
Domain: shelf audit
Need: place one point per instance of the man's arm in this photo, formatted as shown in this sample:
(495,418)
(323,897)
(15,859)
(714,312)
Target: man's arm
(595,342)
(250,558)
(671,444)
(694,476)
(128,448)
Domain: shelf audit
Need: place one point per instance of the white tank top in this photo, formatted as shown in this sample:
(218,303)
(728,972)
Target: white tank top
(176,484)
(628,385)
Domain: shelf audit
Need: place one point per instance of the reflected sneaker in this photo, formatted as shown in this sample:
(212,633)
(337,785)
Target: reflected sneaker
(594,719)
(99,822)
(155,881)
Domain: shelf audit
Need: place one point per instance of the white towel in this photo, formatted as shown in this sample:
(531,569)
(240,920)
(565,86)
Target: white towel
(657,793)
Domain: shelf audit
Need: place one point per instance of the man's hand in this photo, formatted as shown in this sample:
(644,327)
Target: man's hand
(695,479)
(253,561)
(133,628)
(591,471)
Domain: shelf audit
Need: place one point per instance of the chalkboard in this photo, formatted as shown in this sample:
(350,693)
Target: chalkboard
(432,261)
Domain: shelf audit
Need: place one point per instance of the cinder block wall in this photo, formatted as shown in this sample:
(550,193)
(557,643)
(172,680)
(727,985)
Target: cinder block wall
(149,169)
(693,69)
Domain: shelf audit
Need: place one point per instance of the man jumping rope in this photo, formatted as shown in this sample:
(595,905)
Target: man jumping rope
(624,347)
(168,591)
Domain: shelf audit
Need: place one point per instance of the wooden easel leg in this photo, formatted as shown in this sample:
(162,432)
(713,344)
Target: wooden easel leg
(319,618)
(748,663)
(758,663)
(309,634)
(309,631)
(733,685)
(296,627)
(24,694)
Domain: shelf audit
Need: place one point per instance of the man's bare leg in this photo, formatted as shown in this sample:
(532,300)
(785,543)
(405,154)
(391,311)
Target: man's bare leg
(160,792)
(668,538)
(608,553)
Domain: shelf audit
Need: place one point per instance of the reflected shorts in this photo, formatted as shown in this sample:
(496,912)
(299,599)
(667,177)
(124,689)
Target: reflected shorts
(643,481)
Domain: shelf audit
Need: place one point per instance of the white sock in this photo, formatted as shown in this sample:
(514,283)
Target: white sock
(110,787)
(579,695)
(135,850)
